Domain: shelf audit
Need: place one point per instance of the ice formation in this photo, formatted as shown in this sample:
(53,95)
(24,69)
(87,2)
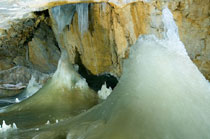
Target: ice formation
(104,92)
(67,75)
(4,127)
(48,122)
(17,100)
(82,10)
(171,31)
(81,84)
(33,87)
(11,10)
(161,95)
(65,94)
(63,15)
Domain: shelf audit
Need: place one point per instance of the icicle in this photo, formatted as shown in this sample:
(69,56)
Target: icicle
(63,15)
(82,10)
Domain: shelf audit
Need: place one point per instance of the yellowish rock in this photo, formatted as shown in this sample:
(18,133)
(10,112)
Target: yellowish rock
(110,33)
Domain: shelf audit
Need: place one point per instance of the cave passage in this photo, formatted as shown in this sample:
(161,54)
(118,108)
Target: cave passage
(95,82)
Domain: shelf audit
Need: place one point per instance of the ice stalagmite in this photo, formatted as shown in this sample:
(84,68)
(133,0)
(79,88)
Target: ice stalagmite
(66,94)
(161,95)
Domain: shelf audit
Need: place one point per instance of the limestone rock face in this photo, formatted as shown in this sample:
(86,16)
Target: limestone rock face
(43,52)
(112,30)
(13,42)
(113,27)
(5,63)
(193,19)
(110,33)
(18,76)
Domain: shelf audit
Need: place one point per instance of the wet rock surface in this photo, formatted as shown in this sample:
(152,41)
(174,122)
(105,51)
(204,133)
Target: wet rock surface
(13,42)
(43,50)
(14,80)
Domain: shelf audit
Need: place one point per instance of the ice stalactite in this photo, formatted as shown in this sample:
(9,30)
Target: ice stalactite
(63,15)
(82,11)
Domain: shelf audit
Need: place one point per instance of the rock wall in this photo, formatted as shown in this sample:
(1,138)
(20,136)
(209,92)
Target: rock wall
(33,42)
(27,49)
(43,50)
(193,19)
(112,30)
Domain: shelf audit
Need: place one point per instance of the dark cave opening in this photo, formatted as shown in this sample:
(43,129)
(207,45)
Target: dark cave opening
(95,82)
